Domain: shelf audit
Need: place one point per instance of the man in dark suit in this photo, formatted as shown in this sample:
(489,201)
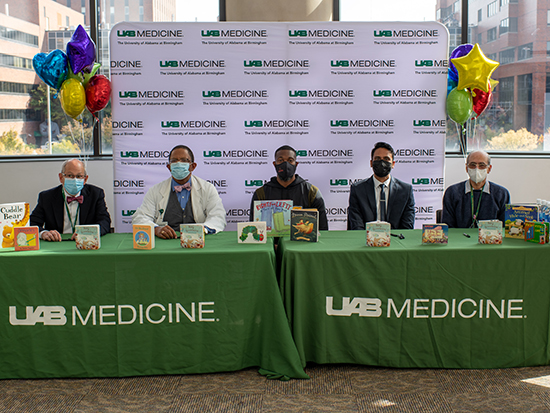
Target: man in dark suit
(72,203)
(381,197)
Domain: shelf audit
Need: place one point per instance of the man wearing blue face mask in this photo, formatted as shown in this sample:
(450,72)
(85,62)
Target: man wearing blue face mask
(72,203)
(181,199)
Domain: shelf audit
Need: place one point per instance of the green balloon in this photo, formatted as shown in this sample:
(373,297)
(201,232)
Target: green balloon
(459,105)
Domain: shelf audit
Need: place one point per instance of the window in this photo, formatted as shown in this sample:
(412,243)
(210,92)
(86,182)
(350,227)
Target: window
(15,88)
(525,51)
(492,56)
(456,7)
(491,34)
(479,15)
(15,61)
(548,17)
(507,56)
(18,36)
(525,89)
(479,37)
(509,24)
(492,8)
(504,2)
(547,49)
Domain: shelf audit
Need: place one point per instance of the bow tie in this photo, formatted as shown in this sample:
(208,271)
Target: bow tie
(179,188)
(79,199)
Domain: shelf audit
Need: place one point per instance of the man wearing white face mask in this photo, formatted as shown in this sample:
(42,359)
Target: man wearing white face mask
(72,203)
(477,199)
(181,199)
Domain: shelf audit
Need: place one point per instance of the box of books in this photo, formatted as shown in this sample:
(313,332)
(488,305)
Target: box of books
(26,238)
(276,215)
(535,232)
(304,225)
(515,218)
(144,236)
(12,216)
(192,235)
(435,234)
(490,231)
(378,234)
(87,237)
(251,232)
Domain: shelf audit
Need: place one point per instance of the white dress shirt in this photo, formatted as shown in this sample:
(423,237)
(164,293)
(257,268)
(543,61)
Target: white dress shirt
(377,184)
(74,210)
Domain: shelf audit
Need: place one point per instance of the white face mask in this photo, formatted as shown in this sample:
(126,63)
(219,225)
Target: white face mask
(477,175)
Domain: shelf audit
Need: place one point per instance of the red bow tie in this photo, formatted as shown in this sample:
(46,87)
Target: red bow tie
(79,199)
(179,188)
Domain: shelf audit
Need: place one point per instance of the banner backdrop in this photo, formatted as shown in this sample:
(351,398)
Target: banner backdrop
(234,92)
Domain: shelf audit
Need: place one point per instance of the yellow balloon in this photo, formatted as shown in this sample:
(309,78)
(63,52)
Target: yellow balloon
(474,70)
(73,97)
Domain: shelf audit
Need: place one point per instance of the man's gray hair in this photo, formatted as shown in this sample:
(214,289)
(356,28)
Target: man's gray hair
(64,165)
(480,151)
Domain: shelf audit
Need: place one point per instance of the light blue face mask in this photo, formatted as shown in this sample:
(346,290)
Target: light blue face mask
(73,186)
(179,170)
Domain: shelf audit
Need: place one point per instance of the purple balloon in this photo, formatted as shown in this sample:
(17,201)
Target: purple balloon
(81,51)
(459,51)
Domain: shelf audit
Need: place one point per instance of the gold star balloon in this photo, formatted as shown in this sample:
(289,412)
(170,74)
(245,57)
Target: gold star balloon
(474,70)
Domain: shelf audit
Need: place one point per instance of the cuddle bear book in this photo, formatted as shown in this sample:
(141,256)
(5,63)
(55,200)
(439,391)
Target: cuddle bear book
(12,216)
(87,237)
(144,236)
(26,238)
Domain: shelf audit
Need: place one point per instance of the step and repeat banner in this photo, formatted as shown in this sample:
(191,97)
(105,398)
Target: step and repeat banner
(235,92)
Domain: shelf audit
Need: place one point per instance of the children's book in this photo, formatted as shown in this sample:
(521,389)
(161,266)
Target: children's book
(12,216)
(490,231)
(276,215)
(251,232)
(87,237)
(435,234)
(26,238)
(516,216)
(535,232)
(144,236)
(304,225)
(192,235)
(378,234)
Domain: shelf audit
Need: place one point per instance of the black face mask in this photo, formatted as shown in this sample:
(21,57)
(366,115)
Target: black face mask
(381,168)
(285,171)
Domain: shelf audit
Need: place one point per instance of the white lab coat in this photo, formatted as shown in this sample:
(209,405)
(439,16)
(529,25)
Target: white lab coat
(206,204)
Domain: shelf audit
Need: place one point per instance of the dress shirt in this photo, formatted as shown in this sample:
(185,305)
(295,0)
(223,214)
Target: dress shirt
(183,196)
(377,183)
(74,210)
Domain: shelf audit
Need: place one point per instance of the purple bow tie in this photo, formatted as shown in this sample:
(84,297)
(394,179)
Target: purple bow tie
(79,199)
(179,188)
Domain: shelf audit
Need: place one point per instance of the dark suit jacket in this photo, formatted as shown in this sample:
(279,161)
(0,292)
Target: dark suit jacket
(362,204)
(48,213)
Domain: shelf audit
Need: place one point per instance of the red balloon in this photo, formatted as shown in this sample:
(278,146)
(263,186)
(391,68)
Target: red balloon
(481,100)
(98,93)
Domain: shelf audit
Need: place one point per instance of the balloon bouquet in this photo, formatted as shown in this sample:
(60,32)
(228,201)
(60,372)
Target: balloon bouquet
(469,88)
(73,74)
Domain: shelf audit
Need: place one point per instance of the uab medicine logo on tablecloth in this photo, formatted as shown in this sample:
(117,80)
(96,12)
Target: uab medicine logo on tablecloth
(124,314)
(434,308)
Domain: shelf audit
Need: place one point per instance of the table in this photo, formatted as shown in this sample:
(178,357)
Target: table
(118,311)
(461,305)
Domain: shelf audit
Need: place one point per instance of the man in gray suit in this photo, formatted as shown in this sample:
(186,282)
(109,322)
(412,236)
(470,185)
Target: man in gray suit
(381,197)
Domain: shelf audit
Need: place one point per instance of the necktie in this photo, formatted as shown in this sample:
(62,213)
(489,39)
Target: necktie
(382,203)
(179,188)
(79,199)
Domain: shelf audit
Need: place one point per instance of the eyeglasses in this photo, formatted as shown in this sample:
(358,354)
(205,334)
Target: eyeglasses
(71,176)
(473,165)
(181,160)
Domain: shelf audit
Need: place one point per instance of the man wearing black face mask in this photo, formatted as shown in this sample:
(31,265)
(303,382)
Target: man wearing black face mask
(288,185)
(381,197)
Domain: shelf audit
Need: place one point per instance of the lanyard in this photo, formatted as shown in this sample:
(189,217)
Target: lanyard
(474,216)
(73,223)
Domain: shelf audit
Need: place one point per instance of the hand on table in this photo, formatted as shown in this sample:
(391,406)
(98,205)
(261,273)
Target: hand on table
(165,232)
(51,235)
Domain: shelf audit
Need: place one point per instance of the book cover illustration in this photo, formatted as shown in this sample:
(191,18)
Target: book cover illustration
(192,235)
(515,217)
(276,215)
(251,232)
(87,237)
(12,216)
(490,231)
(144,236)
(535,232)
(378,234)
(435,234)
(304,225)
(26,238)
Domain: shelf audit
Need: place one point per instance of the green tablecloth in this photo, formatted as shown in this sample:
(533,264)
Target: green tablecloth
(461,305)
(122,312)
